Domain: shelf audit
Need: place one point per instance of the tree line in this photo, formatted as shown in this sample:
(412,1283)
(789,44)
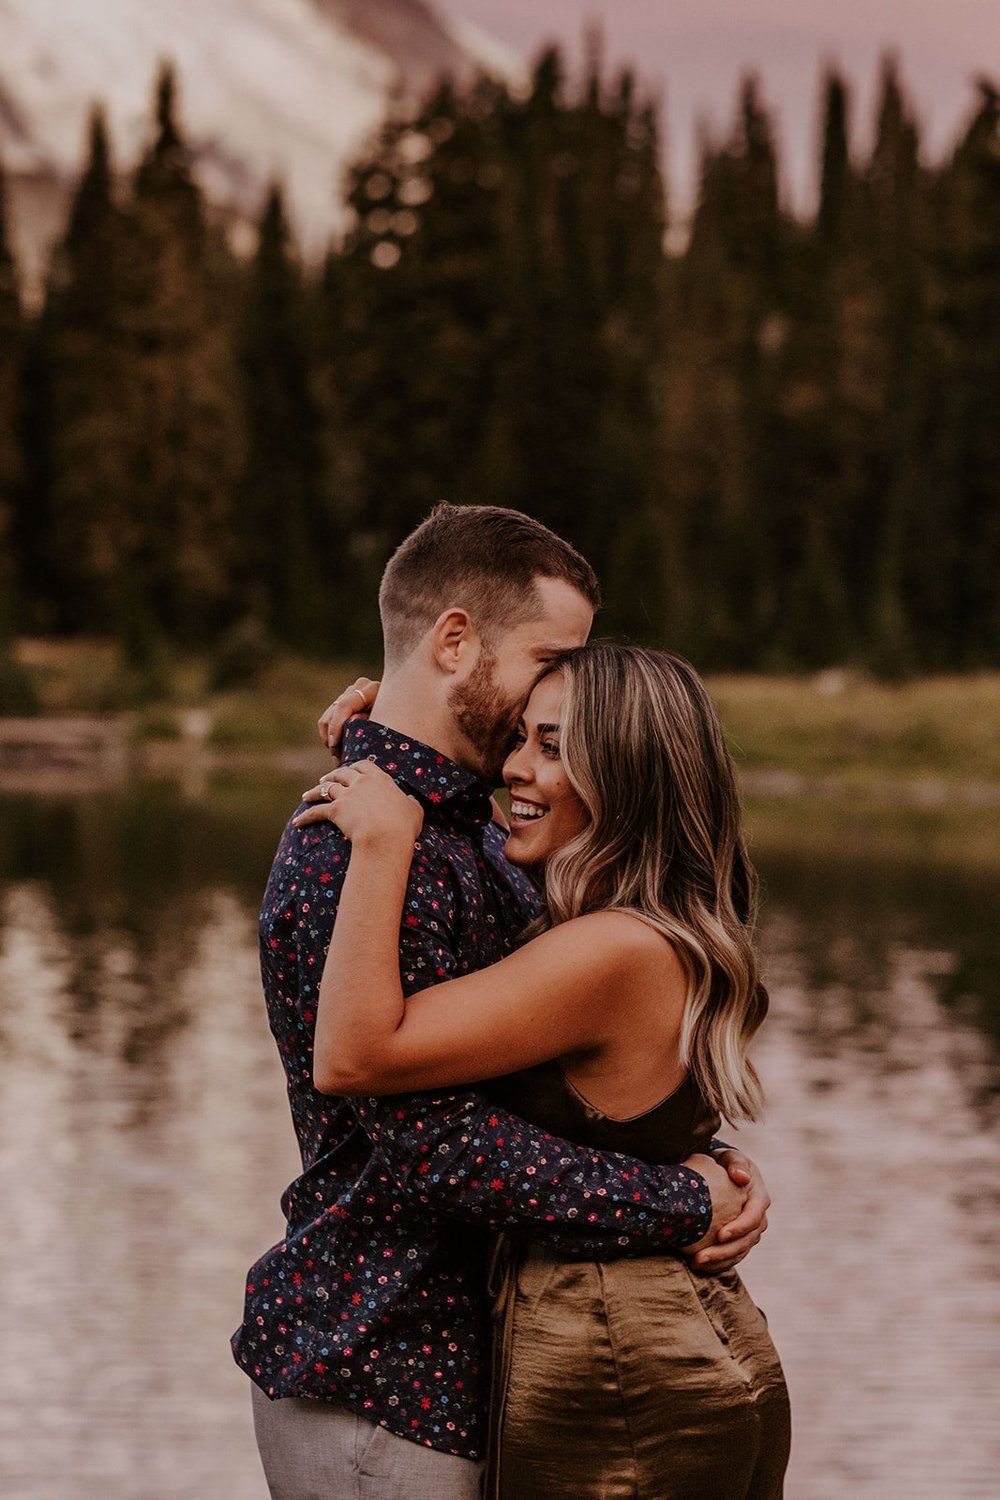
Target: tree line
(780,445)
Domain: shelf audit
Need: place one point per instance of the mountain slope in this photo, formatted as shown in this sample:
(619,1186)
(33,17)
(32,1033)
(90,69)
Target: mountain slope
(285,88)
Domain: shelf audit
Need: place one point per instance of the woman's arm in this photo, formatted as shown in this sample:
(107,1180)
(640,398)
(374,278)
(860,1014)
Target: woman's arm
(361,996)
(560,994)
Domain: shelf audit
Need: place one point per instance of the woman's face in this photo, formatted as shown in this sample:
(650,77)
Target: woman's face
(545,811)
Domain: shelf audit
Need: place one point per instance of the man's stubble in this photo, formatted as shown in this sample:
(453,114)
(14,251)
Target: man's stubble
(486,718)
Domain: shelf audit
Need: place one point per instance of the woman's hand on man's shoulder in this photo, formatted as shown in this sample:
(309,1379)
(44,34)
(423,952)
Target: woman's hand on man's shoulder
(366,804)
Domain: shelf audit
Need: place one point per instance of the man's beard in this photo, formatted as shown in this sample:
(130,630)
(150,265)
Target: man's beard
(485,718)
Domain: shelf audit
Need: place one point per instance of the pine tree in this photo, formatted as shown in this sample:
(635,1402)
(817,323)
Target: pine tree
(555,370)
(96,519)
(579,384)
(187,453)
(286,519)
(966,531)
(417,320)
(629,520)
(897,460)
(729,325)
(836,178)
(812,520)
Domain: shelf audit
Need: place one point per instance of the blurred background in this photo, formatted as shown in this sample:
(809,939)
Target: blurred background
(715,292)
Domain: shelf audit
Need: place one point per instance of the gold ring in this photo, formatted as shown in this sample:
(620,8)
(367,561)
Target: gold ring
(361,695)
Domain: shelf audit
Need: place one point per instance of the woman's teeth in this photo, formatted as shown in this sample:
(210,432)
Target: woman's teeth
(526,810)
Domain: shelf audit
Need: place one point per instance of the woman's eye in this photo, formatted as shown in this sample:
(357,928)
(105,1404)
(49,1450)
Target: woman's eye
(550,748)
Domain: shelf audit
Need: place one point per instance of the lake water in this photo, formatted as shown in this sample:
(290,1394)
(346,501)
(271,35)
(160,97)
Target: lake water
(144,1141)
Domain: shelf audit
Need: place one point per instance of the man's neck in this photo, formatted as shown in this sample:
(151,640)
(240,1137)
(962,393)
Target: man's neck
(399,707)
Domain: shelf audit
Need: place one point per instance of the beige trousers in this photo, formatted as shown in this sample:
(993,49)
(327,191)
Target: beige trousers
(317,1450)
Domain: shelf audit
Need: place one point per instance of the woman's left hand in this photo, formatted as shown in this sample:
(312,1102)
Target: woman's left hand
(366,805)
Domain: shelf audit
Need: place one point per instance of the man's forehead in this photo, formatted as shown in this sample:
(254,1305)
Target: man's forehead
(543,640)
(565,617)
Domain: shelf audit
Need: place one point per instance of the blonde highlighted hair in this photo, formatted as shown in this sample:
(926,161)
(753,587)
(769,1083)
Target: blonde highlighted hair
(642,746)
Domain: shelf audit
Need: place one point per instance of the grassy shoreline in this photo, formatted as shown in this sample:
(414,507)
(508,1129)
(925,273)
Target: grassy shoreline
(855,730)
(838,732)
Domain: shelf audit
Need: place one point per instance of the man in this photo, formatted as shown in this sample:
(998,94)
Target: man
(375,1301)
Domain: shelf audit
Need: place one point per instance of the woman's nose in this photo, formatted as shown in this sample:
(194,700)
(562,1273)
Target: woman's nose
(515,767)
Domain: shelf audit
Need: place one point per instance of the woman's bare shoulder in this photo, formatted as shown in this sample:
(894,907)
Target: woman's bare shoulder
(616,939)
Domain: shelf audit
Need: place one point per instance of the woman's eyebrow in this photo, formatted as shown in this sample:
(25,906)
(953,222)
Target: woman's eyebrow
(547,728)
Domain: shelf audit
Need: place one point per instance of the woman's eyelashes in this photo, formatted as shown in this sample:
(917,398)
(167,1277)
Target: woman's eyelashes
(548,747)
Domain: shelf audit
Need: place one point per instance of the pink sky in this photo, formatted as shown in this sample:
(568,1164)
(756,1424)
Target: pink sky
(694,51)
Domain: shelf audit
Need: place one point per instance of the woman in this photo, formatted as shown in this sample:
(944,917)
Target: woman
(622,1022)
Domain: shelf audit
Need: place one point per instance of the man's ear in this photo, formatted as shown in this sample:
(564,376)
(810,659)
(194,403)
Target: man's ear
(454,638)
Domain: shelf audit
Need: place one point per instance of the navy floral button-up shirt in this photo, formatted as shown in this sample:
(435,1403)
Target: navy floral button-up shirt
(375,1297)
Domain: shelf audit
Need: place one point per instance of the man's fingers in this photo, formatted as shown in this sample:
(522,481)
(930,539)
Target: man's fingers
(723,1257)
(758,1200)
(753,1218)
(739,1167)
(728,1262)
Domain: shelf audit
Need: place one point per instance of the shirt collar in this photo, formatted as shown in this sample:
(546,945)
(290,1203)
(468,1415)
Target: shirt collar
(458,795)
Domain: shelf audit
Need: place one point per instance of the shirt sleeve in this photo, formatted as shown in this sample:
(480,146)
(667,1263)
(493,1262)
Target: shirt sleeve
(459,1155)
(455,1153)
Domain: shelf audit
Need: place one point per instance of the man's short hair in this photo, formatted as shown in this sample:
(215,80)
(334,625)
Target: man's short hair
(480,558)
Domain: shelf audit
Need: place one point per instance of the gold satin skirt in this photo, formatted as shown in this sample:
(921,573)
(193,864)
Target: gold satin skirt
(632,1379)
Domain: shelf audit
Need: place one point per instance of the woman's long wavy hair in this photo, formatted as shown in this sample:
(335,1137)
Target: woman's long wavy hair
(642,746)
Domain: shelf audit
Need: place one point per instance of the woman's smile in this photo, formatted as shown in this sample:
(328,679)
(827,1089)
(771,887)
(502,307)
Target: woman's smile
(525,812)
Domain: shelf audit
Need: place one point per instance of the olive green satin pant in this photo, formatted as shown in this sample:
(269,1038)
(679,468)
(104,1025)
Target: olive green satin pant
(634,1379)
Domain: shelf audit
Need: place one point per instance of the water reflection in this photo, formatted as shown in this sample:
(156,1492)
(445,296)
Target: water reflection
(144,1141)
(880,1277)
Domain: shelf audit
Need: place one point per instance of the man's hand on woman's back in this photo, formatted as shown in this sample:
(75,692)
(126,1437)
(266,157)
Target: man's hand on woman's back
(740,1202)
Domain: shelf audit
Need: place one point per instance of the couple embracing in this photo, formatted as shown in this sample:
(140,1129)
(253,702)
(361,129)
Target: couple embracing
(508,1051)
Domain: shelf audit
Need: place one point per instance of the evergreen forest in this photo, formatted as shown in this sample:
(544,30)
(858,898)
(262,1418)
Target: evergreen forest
(779,443)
